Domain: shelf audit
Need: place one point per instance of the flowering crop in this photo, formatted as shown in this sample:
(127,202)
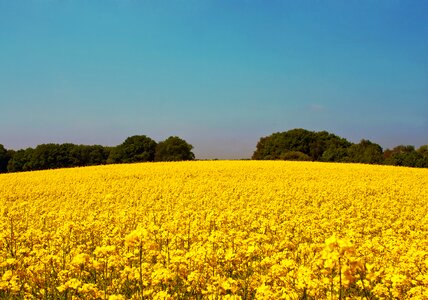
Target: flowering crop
(215,230)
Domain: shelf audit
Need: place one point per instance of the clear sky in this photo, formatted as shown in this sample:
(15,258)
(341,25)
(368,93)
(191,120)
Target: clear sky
(220,74)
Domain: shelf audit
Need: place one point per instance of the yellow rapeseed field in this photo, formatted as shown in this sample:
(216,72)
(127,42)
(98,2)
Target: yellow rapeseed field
(215,230)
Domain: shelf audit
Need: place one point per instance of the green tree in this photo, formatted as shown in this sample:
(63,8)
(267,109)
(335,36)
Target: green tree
(365,152)
(5,156)
(406,155)
(83,155)
(423,160)
(423,150)
(275,145)
(174,149)
(295,155)
(20,161)
(51,156)
(137,148)
(312,144)
(93,155)
(335,154)
(330,147)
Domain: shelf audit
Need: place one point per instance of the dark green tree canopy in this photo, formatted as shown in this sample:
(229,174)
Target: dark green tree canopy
(365,152)
(407,155)
(295,144)
(174,149)
(51,156)
(137,148)
(5,156)
(312,144)
(295,155)
(423,150)
(21,161)
(301,144)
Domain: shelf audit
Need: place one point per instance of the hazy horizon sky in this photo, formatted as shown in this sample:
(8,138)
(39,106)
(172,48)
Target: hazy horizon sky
(220,74)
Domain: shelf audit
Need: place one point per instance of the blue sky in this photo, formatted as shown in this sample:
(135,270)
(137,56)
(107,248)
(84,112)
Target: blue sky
(220,74)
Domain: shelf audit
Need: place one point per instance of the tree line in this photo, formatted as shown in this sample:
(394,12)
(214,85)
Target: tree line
(296,144)
(137,148)
(304,145)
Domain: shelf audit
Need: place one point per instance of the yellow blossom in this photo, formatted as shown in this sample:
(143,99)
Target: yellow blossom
(215,230)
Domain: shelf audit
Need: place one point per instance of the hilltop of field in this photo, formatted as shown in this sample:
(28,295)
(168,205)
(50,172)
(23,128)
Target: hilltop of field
(215,229)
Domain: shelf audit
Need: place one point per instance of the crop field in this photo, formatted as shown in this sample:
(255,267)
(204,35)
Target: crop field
(215,230)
